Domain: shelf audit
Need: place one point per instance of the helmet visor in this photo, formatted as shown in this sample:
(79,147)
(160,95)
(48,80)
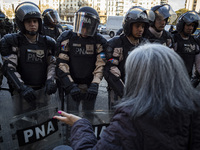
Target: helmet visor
(27,10)
(166,12)
(140,13)
(85,23)
(53,17)
(151,15)
(191,17)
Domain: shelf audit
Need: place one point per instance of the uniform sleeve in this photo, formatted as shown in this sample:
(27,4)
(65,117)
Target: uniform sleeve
(112,73)
(51,59)
(100,62)
(63,57)
(51,67)
(197,62)
(171,42)
(9,52)
(114,55)
(197,57)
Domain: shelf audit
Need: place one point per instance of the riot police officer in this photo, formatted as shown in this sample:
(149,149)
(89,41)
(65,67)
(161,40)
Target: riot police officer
(156,33)
(185,43)
(28,61)
(134,24)
(51,25)
(8,26)
(80,65)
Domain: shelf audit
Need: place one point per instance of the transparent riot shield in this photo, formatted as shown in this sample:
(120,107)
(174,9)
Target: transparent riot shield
(28,127)
(99,117)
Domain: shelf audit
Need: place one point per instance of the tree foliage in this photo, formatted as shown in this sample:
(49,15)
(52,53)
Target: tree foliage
(9,13)
(44,7)
(182,11)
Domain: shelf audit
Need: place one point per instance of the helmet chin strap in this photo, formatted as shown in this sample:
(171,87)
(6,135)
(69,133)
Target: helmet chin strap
(156,29)
(133,41)
(185,34)
(136,38)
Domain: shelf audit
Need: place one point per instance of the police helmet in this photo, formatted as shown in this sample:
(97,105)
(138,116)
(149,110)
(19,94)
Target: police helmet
(136,14)
(165,12)
(50,17)
(88,18)
(188,18)
(27,10)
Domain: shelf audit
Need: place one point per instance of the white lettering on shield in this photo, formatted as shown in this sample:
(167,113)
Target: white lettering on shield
(40,132)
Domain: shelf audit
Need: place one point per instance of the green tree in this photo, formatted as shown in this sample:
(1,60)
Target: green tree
(9,12)
(44,7)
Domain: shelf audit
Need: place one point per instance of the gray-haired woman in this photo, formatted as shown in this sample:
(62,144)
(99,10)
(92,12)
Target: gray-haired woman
(159,111)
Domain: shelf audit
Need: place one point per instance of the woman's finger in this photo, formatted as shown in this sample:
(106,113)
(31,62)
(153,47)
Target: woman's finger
(60,118)
(63,113)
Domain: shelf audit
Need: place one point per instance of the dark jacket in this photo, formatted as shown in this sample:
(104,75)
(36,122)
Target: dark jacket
(170,132)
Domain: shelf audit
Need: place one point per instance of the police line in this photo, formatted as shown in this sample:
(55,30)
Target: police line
(32,127)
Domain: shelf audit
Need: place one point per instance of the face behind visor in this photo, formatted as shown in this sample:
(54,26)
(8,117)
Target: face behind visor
(51,17)
(86,23)
(134,15)
(164,12)
(27,10)
(188,18)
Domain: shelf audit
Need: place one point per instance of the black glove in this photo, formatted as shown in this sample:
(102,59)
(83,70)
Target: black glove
(92,91)
(195,79)
(114,82)
(195,82)
(50,87)
(28,93)
(75,93)
(64,80)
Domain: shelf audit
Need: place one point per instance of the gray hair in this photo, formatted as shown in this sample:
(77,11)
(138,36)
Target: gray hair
(157,82)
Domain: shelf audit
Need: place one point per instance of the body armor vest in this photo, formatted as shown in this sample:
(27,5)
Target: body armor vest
(165,38)
(83,56)
(123,42)
(32,61)
(187,49)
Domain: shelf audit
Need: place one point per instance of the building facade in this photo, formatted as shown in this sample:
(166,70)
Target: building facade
(193,5)
(105,8)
